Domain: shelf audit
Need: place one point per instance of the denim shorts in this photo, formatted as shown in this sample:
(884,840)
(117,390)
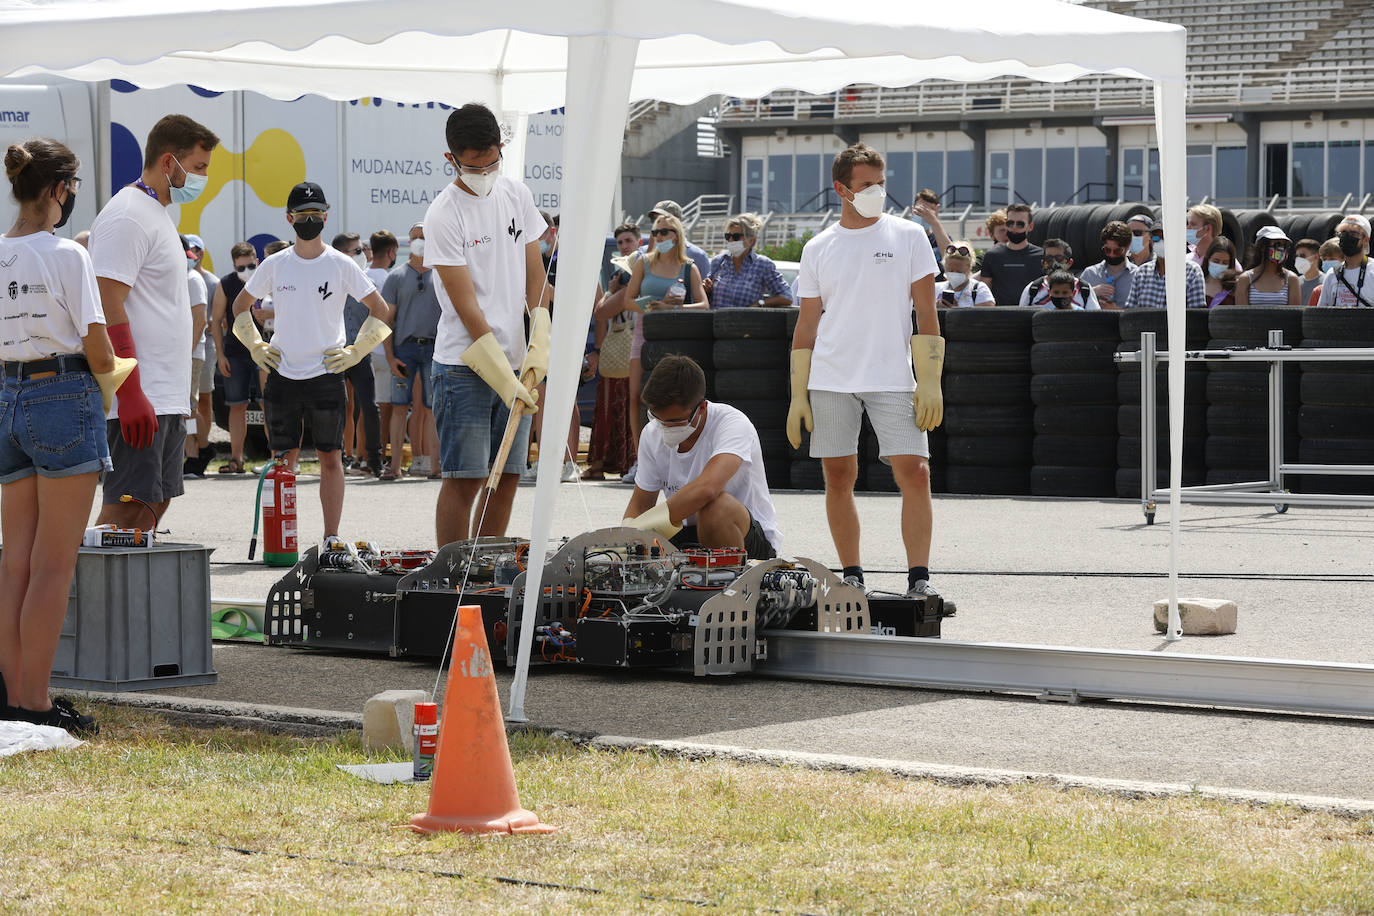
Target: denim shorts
(472,423)
(53,427)
(237,384)
(419,360)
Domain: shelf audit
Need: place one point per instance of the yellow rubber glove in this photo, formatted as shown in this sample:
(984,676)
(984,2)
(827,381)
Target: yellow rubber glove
(109,382)
(537,357)
(488,360)
(370,337)
(800,410)
(656,519)
(928,359)
(264,354)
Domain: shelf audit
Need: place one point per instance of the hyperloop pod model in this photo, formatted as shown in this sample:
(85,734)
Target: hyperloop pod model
(616,597)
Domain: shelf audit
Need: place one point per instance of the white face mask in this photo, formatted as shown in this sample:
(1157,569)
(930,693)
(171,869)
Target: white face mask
(244,273)
(360,260)
(868,203)
(1303,265)
(956,280)
(480,185)
(673,436)
(734,249)
(417,248)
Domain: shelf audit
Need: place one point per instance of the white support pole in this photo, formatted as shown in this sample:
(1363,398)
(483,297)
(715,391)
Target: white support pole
(600,69)
(1170,113)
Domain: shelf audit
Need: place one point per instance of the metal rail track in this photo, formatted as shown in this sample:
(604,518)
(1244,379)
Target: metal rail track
(1060,672)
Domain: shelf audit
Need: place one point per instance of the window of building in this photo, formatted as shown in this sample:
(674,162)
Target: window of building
(1027,177)
(811,187)
(999,179)
(900,169)
(1309,170)
(1199,171)
(1092,174)
(1060,187)
(780,184)
(930,173)
(1342,168)
(960,178)
(1230,173)
(753,184)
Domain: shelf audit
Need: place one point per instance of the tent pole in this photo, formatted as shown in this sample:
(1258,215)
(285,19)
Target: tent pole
(1170,112)
(600,70)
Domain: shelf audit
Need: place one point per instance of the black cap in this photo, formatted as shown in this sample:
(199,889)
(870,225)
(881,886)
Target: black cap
(306,196)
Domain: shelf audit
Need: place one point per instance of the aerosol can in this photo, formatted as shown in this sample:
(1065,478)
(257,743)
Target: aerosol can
(278,502)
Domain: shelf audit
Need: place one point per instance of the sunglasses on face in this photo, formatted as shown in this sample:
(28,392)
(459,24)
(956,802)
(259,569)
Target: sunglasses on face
(1138,232)
(961,250)
(308,217)
(683,422)
(734,236)
(1057,261)
(660,233)
(1112,252)
(1017,224)
(246,267)
(356,251)
(478,169)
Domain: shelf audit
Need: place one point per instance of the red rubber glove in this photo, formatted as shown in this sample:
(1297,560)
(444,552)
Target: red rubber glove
(137,419)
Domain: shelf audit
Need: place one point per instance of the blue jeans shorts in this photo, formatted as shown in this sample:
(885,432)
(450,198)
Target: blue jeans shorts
(53,427)
(238,383)
(472,422)
(419,359)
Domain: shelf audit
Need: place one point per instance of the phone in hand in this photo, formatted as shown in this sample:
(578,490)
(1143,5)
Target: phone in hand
(948,297)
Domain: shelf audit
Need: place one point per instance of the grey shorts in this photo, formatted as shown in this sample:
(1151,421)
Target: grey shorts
(837,416)
(152,474)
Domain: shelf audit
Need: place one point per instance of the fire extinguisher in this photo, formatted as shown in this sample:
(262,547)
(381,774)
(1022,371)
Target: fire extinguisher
(278,514)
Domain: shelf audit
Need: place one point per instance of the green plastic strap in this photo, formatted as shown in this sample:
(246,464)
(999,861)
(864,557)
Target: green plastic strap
(221,628)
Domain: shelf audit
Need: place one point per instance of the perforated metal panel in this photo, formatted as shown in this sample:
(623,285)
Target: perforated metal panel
(840,608)
(288,602)
(726,635)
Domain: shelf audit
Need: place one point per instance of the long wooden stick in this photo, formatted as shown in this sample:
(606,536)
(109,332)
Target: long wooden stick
(512,425)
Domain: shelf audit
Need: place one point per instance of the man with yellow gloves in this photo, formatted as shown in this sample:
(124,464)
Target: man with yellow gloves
(309,284)
(706,461)
(482,239)
(854,351)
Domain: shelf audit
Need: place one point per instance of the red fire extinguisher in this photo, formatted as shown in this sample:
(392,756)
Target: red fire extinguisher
(278,515)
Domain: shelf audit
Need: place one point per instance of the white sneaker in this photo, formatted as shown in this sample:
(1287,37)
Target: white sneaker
(419,465)
(629,476)
(529,474)
(922,589)
(570,472)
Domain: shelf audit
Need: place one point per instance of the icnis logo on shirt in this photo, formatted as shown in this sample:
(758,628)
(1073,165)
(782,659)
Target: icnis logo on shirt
(324,290)
(513,232)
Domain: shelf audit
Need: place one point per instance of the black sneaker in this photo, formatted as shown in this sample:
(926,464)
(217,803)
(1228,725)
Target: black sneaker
(64,715)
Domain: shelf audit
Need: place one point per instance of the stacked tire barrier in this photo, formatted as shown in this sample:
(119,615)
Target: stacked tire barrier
(1073,387)
(1238,393)
(1336,415)
(989,422)
(686,332)
(1132,324)
(751,353)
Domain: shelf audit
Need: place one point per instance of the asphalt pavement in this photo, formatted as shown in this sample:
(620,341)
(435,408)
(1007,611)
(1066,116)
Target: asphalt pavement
(1022,570)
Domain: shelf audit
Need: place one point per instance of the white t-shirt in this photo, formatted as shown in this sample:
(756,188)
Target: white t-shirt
(195,288)
(378,276)
(975,292)
(308,296)
(726,432)
(1336,294)
(134,242)
(48,297)
(487,235)
(863,278)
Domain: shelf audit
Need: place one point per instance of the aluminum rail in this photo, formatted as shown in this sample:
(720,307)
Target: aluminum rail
(1060,672)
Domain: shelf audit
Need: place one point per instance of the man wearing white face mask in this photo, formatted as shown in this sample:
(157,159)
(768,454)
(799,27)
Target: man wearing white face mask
(706,460)
(140,268)
(482,239)
(854,351)
(741,277)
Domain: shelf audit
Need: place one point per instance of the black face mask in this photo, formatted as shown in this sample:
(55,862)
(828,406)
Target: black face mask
(307,229)
(1016,238)
(1350,244)
(1114,261)
(67,209)
(1061,303)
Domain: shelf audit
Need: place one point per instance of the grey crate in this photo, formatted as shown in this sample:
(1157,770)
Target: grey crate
(137,619)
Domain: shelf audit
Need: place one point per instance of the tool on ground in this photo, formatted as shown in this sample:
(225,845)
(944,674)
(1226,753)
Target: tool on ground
(278,514)
(426,739)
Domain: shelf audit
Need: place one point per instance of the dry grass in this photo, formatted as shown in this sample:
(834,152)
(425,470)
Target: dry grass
(157,818)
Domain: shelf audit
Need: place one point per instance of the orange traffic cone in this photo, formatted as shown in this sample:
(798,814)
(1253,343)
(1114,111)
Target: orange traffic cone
(473,788)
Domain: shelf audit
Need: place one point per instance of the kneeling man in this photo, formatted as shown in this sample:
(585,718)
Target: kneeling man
(706,459)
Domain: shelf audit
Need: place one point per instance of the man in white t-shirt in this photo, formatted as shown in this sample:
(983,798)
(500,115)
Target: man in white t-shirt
(706,460)
(309,284)
(1350,285)
(482,239)
(140,267)
(854,352)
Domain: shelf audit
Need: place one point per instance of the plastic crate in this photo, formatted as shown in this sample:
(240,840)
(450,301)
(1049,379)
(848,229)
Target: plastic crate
(137,619)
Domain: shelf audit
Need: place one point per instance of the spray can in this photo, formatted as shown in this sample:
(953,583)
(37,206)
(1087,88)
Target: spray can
(426,739)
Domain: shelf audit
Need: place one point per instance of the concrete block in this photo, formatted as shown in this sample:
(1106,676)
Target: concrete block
(1199,616)
(389,719)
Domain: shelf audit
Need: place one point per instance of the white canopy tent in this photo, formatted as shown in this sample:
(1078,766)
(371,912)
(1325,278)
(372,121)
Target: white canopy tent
(594,57)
